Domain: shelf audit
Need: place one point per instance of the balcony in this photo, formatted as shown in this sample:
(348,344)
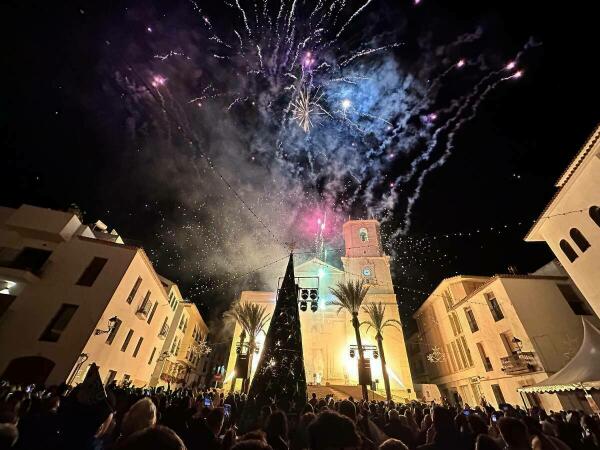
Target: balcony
(163,332)
(144,310)
(519,363)
(26,264)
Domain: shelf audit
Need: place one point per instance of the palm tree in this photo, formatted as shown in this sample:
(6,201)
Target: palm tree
(377,321)
(349,296)
(252,319)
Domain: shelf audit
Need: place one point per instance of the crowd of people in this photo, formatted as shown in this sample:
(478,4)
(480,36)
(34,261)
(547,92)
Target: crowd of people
(90,417)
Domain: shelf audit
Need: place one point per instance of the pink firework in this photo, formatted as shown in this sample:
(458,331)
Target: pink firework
(158,80)
(511,65)
(460,63)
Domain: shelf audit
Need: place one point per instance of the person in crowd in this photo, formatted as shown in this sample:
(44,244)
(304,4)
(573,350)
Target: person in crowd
(514,434)
(314,400)
(140,416)
(276,429)
(153,438)
(333,431)
(393,444)
(442,434)
(9,434)
(486,442)
(397,428)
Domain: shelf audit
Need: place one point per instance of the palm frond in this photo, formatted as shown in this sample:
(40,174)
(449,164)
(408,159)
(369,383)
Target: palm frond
(349,295)
(376,313)
(251,317)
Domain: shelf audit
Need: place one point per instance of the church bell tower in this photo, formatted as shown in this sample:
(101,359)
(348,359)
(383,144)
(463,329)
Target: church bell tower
(364,257)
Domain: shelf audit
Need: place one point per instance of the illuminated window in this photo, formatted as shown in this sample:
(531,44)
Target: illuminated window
(363,234)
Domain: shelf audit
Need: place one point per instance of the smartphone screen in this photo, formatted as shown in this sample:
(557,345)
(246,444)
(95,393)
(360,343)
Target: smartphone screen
(207,401)
(227,408)
(466,412)
(494,418)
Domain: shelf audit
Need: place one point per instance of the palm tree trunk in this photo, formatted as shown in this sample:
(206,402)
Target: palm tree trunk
(386,378)
(361,353)
(251,346)
(233,381)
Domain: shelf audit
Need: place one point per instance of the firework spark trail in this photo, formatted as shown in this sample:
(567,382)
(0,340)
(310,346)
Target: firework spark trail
(170,54)
(260,58)
(368,52)
(317,8)
(241,42)
(447,152)
(291,14)
(237,2)
(356,13)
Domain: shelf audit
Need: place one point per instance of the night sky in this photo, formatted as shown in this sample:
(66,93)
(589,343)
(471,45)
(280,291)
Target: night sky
(82,123)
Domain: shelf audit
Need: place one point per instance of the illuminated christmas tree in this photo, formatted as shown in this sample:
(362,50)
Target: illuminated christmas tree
(279,377)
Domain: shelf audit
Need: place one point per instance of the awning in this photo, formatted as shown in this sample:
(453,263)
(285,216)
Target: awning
(582,372)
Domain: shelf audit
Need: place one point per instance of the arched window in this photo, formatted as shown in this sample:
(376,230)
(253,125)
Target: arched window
(579,239)
(595,214)
(568,250)
(363,234)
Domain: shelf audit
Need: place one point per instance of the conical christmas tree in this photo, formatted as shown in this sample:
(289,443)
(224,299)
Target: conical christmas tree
(279,377)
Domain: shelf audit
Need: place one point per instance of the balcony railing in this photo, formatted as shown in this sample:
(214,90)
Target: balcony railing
(520,362)
(163,332)
(144,310)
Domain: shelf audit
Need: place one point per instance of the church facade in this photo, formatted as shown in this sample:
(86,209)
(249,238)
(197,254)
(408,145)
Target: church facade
(327,336)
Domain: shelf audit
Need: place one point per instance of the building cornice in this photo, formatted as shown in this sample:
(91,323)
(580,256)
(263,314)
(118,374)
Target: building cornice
(566,176)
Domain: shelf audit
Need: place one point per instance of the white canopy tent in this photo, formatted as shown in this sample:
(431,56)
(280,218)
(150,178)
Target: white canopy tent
(582,372)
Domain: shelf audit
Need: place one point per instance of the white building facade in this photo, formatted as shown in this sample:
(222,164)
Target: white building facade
(570,224)
(73,296)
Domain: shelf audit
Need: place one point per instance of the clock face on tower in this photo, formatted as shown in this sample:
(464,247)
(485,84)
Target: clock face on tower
(366,271)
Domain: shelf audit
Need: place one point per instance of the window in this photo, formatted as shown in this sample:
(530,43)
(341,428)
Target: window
(494,306)
(91,272)
(579,239)
(577,304)
(127,339)
(463,341)
(152,356)
(134,290)
(498,394)
(31,259)
(595,214)
(456,328)
(487,364)
(363,234)
(174,347)
(111,336)
(181,322)
(462,354)
(568,250)
(452,360)
(447,296)
(58,323)
(508,342)
(137,346)
(460,363)
(471,319)
(152,312)
(112,374)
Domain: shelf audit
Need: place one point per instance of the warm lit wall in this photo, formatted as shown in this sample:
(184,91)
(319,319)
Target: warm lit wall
(327,336)
(40,296)
(570,209)
(534,311)
(110,357)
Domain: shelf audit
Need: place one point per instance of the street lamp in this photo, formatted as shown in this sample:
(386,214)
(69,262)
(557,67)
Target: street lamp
(112,322)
